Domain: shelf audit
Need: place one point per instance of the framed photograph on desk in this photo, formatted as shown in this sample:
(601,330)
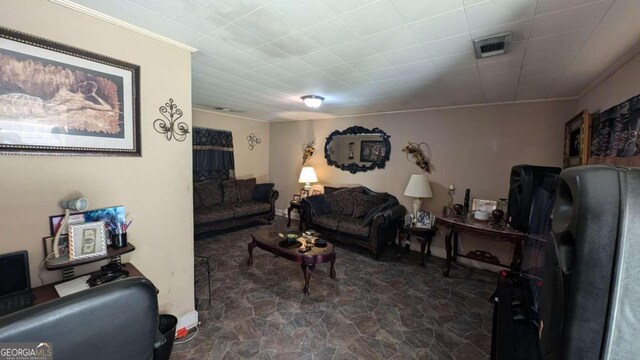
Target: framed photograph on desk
(87,240)
(63,244)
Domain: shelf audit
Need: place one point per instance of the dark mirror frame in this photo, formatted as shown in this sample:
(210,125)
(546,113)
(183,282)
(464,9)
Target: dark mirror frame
(354,167)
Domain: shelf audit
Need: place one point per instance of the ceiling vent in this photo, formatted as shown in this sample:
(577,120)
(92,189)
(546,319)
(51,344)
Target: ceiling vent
(492,45)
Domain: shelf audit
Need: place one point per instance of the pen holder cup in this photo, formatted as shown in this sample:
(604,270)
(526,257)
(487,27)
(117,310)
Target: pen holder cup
(119,240)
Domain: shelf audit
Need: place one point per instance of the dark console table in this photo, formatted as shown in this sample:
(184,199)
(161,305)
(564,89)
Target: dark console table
(482,229)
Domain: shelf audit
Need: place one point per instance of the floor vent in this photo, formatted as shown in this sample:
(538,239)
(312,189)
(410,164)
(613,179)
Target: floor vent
(492,45)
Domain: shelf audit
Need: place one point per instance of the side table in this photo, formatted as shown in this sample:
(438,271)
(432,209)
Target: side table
(423,235)
(294,205)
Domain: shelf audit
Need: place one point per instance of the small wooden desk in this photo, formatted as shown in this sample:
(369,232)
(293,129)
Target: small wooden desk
(485,229)
(46,293)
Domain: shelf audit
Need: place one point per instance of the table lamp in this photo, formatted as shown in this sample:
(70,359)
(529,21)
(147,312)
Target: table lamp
(79,204)
(308,176)
(418,187)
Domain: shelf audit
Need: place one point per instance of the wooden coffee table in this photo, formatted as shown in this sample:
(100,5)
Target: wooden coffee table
(269,240)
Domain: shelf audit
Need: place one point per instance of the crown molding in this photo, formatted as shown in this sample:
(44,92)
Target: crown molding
(609,72)
(98,15)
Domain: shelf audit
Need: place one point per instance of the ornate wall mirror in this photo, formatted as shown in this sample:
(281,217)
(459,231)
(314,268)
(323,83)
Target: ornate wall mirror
(357,149)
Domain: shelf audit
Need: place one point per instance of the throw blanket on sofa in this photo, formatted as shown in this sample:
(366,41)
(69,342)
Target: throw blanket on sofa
(212,155)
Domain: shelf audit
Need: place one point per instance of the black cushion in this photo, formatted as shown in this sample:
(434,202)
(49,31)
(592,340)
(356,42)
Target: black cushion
(319,204)
(117,320)
(262,192)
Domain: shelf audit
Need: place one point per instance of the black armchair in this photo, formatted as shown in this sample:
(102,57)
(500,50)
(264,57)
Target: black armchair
(118,320)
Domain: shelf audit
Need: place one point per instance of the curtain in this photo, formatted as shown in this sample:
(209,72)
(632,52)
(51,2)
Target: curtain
(212,155)
(615,135)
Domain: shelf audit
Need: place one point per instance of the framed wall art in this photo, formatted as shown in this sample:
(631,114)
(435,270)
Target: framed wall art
(577,140)
(372,151)
(87,240)
(56,99)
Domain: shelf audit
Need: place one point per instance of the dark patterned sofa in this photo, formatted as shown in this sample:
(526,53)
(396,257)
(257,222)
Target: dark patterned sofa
(220,205)
(355,215)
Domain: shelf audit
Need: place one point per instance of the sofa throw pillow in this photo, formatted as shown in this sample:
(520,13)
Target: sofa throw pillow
(341,201)
(245,189)
(229,192)
(365,202)
(319,205)
(206,194)
(262,192)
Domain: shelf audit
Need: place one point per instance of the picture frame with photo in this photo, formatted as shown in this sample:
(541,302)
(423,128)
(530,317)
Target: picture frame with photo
(63,244)
(577,140)
(87,240)
(316,192)
(296,197)
(114,217)
(55,220)
(423,219)
(483,205)
(304,193)
(372,151)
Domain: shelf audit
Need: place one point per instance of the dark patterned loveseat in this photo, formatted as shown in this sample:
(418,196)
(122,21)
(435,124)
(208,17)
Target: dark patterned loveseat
(224,204)
(355,215)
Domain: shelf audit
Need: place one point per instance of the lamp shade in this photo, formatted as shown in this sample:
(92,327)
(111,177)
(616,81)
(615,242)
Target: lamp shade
(308,175)
(418,187)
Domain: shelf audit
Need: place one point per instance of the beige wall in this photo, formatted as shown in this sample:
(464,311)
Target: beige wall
(156,189)
(471,147)
(249,163)
(620,86)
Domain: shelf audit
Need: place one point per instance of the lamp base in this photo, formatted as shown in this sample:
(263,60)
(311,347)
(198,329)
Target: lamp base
(417,204)
(307,186)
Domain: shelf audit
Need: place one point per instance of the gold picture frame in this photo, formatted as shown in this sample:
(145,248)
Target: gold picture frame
(577,140)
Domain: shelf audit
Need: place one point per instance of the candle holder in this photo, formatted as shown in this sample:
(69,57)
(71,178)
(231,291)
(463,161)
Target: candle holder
(451,192)
(502,204)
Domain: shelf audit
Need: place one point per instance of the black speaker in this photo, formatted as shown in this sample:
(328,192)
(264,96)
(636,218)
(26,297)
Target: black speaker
(523,183)
(591,286)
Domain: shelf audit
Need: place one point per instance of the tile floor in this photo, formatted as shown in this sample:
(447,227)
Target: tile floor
(384,309)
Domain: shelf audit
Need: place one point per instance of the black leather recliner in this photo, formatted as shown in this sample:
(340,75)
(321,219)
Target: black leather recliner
(117,320)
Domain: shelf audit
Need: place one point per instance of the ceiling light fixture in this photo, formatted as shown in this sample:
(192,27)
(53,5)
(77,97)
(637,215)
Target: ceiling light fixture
(312,101)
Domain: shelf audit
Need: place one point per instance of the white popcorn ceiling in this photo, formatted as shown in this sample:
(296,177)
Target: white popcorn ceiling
(258,57)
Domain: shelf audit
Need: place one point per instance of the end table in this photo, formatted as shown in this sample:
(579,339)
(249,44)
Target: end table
(423,235)
(294,205)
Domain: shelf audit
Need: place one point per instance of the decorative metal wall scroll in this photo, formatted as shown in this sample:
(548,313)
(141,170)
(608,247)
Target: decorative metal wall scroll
(169,126)
(308,150)
(253,141)
(416,152)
